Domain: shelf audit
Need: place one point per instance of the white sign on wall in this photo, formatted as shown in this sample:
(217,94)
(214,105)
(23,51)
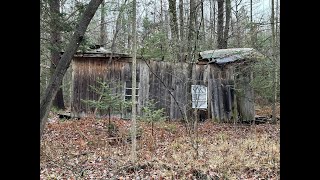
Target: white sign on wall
(199,96)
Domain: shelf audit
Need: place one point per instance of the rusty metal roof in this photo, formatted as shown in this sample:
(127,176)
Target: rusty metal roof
(222,56)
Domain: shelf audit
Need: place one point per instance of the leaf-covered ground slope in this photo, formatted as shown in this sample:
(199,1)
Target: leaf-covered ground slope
(83,149)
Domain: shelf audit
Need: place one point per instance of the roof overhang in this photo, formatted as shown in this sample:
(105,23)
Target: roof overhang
(224,56)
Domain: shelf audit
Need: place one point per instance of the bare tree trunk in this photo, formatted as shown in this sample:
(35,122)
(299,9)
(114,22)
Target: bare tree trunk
(129,37)
(214,22)
(190,59)
(227,25)
(192,20)
(166,29)
(203,34)
(55,41)
(58,101)
(56,78)
(277,19)
(251,26)
(162,27)
(115,35)
(103,25)
(174,28)
(167,23)
(211,23)
(202,37)
(238,37)
(220,24)
(134,85)
(251,17)
(274,64)
(173,18)
(181,31)
(161,13)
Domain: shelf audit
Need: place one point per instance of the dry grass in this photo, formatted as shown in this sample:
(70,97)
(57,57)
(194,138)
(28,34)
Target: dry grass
(81,150)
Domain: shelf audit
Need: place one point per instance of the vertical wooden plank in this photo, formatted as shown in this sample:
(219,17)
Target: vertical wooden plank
(138,77)
(103,65)
(82,96)
(165,78)
(230,92)
(142,84)
(159,94)
(162,90)
(90,92)
(74,104)
(173,86)
(156,92)
(123,80)
(245,97)
(151,81)
(78,86)
(234,102)
(147,76)
(186,87)
(180,90)
(168,89)
(220,96)
(85,85)
(214,92)
(205,82)
(208,82)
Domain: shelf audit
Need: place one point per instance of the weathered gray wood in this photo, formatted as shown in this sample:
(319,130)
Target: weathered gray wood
(172,86)
(210,90)
(167,80)
(220,96)
(245,97)
(164,82)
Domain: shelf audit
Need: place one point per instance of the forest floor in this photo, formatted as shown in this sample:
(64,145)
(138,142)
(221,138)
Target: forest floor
(82,149)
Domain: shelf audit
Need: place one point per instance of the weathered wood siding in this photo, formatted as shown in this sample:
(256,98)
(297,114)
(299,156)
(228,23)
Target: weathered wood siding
(164,82)
(220,93)
(86,72)
(245,95)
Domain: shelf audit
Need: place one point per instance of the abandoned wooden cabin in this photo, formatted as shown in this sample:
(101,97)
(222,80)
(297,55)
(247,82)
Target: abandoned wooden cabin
(207,85)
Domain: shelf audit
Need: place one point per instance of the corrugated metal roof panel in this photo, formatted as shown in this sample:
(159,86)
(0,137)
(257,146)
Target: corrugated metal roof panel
(221,56)
(228,59)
